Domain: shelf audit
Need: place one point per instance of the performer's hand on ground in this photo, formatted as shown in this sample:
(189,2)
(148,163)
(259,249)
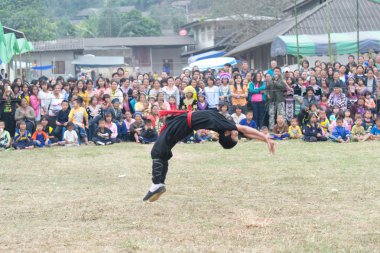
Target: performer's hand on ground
(271,146)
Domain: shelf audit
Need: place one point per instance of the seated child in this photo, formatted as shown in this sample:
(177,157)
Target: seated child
(148,133)
(78,115)
(294,129)
(117,118)
(265,131)
(248,121)
(223,109)
(324,122)
(202,103)
(48,130)
(23,138)
(112,127)
(340,133)
(334,115)
(70,137)
(375,131)
(102,134)
(5,137)
(172,103)
(202,136)
(358,133)
(137,126)
(281,129)
(62,119)
(40,138)
(348,122)
(370,102)
(368,121)
(238,115)
(313,131)
(128,121)
(323,104)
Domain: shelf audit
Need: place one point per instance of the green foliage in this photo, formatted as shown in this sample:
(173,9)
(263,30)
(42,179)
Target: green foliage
(112,23)
(18,14)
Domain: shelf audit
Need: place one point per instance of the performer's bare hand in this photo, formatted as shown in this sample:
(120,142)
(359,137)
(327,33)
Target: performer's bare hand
(271,146)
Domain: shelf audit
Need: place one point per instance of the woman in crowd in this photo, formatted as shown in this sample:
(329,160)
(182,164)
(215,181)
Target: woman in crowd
(54,104)
(239,93)
(26,113)
(257,90)
(35,102)
(171,90)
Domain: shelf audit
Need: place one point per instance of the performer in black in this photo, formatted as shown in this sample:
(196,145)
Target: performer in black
(180,124)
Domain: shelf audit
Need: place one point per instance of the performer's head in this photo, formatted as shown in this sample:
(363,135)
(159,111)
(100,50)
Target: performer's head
(229,139)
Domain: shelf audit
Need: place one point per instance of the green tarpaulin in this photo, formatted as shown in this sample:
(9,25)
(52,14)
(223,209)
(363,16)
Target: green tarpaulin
(10,46)
(317,45)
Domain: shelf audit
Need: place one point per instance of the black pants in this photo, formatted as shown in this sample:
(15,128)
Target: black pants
(159,171)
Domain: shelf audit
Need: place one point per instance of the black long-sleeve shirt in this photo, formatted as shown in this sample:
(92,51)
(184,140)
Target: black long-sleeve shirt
(63,116)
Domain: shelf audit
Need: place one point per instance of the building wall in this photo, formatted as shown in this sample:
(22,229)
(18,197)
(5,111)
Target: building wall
(204,35)
(173,55)
(48,58)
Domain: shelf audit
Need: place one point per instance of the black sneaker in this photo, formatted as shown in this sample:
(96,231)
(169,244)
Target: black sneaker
(153,196)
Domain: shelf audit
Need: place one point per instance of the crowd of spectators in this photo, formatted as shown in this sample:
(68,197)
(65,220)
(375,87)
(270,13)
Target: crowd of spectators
(326,101)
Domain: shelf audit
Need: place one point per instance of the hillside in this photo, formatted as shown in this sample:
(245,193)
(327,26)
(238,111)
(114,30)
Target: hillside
(52,19)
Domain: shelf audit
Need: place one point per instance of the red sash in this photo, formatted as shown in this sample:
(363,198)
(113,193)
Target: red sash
(176,113)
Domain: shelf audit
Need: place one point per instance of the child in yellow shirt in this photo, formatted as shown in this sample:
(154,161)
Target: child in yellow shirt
(294,129)
(79,117)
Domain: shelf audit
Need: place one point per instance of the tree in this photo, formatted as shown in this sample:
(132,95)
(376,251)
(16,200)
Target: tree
(113,23)
(33,18)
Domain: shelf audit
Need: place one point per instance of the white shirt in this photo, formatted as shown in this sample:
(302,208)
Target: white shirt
(212,96)
(54,104)
(44,97)
(237,119)
(70,136)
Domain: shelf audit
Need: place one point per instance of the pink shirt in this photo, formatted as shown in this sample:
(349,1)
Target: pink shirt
(35,104)
(112,126)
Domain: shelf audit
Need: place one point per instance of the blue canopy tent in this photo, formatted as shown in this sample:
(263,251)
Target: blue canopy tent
(213,63)
(207,55)
(45,67)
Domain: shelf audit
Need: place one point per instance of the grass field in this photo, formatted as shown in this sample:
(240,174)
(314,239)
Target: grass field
(308,198)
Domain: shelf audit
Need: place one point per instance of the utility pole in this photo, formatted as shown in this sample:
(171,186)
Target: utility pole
(329,31)
(298,43)
(358,27)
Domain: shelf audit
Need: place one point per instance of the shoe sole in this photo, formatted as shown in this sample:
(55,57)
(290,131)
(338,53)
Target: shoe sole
(156,196)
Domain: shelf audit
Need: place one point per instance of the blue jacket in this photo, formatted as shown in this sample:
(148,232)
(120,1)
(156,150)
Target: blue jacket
(252,90)
(375,130)
(251,124)
(341,132)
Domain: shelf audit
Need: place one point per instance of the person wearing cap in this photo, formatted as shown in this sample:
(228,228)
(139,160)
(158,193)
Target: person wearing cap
(188,102)
(202,103)
(179,124)
(225,89)
(337,98)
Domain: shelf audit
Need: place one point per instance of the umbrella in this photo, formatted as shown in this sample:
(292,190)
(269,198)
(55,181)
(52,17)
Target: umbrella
(214,63)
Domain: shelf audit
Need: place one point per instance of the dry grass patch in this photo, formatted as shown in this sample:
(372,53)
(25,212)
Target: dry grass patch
(308,198)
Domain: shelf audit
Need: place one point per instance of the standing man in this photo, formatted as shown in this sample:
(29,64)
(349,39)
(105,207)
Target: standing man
(275,95)
(244,69)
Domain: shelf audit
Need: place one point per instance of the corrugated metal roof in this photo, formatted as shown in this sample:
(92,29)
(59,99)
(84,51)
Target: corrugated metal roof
(139,41)
(81,44)
(342,19)
(58,45)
